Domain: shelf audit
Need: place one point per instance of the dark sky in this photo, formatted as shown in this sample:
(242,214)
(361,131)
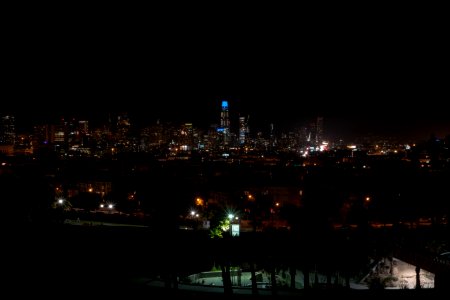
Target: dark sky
(362,79)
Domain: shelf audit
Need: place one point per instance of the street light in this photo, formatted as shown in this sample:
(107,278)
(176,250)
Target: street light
(230,218)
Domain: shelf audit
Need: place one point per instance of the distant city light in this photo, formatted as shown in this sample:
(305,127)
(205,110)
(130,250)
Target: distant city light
(323,147)
(199,201)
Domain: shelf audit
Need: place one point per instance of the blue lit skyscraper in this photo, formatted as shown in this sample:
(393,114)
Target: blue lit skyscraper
(225,122)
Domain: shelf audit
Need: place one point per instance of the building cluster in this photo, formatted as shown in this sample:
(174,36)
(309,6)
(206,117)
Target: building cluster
(75,138)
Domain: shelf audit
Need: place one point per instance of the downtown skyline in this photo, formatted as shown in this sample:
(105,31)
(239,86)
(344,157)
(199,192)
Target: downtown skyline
(284,115)
(370,82)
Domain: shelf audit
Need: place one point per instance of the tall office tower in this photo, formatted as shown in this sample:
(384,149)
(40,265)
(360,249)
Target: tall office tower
(71,132)
(225,122)
(271,136)
(58,133)
(41,136)
(83,127)
(242,131)
(186,137)
(319,131)
(7,130)
(83,132)
(123,128)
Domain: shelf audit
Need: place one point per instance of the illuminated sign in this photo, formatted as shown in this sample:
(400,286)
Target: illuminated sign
(220,129)
(234,229)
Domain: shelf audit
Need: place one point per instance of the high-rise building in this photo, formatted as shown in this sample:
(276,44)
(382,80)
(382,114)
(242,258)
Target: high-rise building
(7,134)
(83,127)
(243,131)
(123,129)
(186,138)
(225,123)
(41,137)
(7,130)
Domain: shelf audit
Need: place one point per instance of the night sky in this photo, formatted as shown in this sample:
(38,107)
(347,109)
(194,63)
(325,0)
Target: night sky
(375,80)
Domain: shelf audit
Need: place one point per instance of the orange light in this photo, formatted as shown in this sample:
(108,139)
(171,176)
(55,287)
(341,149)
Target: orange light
(199,201)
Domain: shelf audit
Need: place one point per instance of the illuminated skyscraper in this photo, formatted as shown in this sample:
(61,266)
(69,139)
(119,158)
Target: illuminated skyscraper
(243,131)
(225,123)
(7,130)
(123,128)
(7,134)
(83,127)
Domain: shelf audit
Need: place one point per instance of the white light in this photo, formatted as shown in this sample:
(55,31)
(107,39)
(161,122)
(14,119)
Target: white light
(110,206)
(102,205)
(230,216)
(61,201)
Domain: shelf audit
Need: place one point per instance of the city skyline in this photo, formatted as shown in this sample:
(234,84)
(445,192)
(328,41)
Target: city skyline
(378,79)
(373,91)
(407,122)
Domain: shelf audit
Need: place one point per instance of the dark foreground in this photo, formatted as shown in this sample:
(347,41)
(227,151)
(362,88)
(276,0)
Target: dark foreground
(97,262)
